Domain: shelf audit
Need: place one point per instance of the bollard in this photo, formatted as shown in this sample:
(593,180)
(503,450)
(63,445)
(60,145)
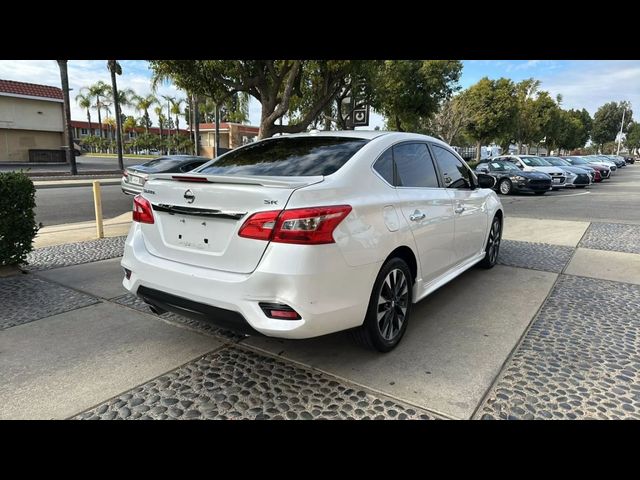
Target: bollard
(97,201)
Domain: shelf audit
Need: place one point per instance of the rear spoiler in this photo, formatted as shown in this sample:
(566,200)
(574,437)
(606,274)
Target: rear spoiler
(265,181)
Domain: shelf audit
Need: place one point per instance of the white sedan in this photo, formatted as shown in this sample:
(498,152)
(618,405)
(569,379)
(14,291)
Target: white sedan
(303,235)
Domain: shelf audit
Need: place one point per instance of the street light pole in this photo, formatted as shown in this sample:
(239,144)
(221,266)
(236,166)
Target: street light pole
(620,135)
(66,106)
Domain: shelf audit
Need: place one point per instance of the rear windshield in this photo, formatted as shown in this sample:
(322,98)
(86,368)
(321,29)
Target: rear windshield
(287,156)
(166,163)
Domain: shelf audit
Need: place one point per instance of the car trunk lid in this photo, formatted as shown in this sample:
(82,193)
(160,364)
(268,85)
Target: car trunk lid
(197,217)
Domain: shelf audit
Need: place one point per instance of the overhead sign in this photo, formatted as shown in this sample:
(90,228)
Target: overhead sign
(361,109)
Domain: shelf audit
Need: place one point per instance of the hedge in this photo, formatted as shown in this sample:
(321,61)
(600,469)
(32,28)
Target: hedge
(17,217)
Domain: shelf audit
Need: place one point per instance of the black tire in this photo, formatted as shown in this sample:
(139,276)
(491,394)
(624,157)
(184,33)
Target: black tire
(370,333)
(492,249)
(540,193)
(508,186)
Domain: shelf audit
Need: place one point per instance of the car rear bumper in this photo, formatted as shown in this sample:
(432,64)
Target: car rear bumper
(130,188)
(309,279)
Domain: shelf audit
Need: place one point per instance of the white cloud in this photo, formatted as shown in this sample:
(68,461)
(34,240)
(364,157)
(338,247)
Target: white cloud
(590,84)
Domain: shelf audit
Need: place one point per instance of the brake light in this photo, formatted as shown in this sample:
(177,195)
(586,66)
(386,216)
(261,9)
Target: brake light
(125,174)
(191,179)
(308,226)
(142,210)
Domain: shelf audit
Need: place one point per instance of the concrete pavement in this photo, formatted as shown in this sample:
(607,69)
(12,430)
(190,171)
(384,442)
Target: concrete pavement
(461,341)
(81,231)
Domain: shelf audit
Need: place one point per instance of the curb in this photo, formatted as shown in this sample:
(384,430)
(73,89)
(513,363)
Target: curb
(45,184)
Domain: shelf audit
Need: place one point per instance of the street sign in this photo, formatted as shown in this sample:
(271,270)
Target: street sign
(361,110)
(361,116)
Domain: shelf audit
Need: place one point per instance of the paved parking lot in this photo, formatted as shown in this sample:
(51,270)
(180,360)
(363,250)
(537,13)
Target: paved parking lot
(551,332)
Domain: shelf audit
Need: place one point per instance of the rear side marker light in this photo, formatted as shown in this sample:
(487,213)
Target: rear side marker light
(307,226)
(142,211)
(279,311)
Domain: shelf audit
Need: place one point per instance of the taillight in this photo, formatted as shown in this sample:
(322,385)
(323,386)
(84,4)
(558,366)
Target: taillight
(142,211)
(308,226)
(125,174)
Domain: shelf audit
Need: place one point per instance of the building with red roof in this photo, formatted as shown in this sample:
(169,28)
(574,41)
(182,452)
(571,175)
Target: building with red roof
(31,119)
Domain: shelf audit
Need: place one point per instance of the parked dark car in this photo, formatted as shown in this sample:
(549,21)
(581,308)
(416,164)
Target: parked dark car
(619,161)
(629,160)
(510,178)
(605,172)
(134,178)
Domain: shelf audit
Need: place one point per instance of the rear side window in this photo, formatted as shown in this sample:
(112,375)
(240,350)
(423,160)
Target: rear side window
(288,156)
(414,166)
(384,166)
(454,173)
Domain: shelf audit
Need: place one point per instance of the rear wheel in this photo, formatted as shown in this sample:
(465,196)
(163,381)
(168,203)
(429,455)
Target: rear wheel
(389,308)
(493,244)
(505,187)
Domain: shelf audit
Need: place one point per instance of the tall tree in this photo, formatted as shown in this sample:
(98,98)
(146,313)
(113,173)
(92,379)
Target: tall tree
(607,121)
(450,120)
(632,140)
(160,115)
(272,82)
(408,92)
(143,104)
(64,80)
(99,92)
(115,69)
(492,105)
(85,101)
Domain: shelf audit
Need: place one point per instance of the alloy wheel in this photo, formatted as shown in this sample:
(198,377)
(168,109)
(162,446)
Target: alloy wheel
(393,302)
(495,236)
(505,188)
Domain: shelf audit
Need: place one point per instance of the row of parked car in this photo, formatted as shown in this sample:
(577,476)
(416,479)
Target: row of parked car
(532,173)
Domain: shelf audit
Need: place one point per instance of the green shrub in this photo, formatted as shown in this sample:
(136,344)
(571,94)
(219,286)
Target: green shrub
(17,218)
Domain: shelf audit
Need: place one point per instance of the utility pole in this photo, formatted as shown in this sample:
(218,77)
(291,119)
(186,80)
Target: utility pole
(621,126)
(68,133)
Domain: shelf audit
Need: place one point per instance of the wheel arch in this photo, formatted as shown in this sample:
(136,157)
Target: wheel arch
(406,254)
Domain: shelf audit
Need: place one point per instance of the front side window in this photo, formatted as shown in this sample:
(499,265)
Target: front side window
(454,172)
(414,166)
(287,156)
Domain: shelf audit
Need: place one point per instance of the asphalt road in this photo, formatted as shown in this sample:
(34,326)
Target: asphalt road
(75,204)
(615,200)
(84,164)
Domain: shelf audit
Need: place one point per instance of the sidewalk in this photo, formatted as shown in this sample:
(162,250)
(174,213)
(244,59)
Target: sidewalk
(534,338)
(81,231)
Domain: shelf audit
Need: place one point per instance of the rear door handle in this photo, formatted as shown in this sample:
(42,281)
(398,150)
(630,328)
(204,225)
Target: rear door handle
(417,215)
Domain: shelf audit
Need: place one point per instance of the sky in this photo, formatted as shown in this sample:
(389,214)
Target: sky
(582,83)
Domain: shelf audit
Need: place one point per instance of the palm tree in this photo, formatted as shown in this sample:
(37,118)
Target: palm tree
(176,109)
(158,112)
(64,80)
(98,91)
(142,104)
(115,69)
(84,101)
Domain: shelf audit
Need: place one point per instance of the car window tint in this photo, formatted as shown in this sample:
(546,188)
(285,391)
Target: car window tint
(384,166)
(287,156)
(454,173)
(414,166)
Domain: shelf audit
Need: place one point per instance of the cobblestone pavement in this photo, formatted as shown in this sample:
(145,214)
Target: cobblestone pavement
(234,383)
(75,253)
(617,237)
(133,301)
(579,360)
(25,298)
(537,256)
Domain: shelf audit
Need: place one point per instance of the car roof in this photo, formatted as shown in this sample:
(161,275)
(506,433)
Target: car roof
(365,134)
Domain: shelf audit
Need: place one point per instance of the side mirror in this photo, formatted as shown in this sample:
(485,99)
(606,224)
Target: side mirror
(486,181)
